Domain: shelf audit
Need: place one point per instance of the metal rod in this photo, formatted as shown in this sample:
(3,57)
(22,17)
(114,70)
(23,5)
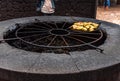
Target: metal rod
(55,25)
(85,36)
(100,50)
(64,25)
(76,39)
(52,40)
(64,40)
(85,33)
(33,29)
(1,40)
(48,25)
(40,26)
(29,36)
(40,38)
(32,32)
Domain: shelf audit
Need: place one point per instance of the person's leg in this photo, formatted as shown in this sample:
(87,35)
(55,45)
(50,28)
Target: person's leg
(42,3)
(39,5)
(53,4)
(108,3)
(105,3)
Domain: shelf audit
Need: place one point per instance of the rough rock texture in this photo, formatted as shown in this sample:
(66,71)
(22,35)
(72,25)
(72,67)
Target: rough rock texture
(21,8)
(84,8)
(89,65)
(17,8)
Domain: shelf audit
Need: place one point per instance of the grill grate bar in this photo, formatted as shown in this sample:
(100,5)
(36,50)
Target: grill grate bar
(55,24)
(31,32)
(52,41)
(3,40)
(34,29)
(48,25)
(64,25)
(85,36)
(85,33)
(9,39)
(65,41)
(99,49)
(40,26)
(40,38)
(76,39)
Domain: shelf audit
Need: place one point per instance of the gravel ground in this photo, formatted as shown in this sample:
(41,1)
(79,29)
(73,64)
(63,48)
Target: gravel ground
(110,15)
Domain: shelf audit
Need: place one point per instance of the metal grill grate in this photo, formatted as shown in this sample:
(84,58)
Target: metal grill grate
(55,35)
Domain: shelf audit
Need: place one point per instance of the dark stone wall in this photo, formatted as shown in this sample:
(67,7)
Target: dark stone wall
(25,8)
(83,8)
(17,8)
(118,1)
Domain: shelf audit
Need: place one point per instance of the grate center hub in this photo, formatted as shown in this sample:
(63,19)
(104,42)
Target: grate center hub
(61,32)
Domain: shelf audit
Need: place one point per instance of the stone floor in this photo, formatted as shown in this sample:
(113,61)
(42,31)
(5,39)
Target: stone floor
(110,15)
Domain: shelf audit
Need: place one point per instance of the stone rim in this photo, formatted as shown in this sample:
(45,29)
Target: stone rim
(116,59)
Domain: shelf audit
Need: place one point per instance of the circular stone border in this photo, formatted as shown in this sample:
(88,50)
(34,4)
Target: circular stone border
(20,65)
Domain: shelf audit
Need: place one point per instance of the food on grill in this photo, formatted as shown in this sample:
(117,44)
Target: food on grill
(85,26)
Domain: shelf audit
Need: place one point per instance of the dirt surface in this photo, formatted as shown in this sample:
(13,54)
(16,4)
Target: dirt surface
(110,15)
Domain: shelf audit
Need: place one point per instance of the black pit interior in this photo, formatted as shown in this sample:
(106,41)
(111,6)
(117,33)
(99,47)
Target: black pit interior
(56,37)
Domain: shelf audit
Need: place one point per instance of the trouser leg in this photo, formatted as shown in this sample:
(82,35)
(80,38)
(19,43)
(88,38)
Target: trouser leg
(39,5)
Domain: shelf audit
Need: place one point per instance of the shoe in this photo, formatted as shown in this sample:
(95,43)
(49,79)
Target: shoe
(38,9)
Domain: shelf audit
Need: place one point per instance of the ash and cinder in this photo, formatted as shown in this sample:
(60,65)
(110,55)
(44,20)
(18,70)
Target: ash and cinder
(53,37)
